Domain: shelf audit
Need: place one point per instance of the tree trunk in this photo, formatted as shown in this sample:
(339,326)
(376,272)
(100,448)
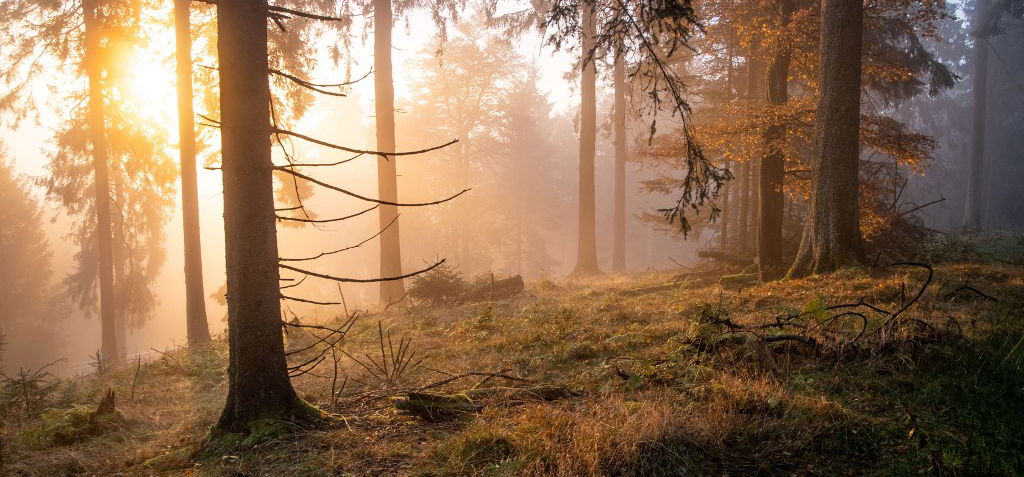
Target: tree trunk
(743,216)
(586,259)
(975,178)
(831,237)
(723,235)
(258,384)
(748,209)
(619,247)
(97,132)
(387,175)
(197,329)
(773,164)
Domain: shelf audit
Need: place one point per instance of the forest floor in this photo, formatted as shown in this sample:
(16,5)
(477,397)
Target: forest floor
(685,373)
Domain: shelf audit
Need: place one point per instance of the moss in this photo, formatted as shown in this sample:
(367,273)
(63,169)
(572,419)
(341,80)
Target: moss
(73,424)
(479,452)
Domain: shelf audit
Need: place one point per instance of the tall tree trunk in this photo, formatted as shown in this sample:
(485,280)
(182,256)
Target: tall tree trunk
(773,165)
(747,171)
(979,96)
(724,239)
(97,132)
(586,259)
(619,246)
(387,175)
(743,216)
(723,235)
(197,329)
(831,237)
(258,384)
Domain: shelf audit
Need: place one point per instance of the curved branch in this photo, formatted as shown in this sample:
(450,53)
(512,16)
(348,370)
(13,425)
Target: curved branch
(350,247)
(312,16)
(360,151)
(324,221)
(367,199)
(360,280)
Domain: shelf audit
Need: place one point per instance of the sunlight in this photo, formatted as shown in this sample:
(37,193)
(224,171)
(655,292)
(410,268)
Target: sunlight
(150,83)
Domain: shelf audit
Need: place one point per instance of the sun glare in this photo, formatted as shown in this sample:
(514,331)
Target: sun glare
(150,84)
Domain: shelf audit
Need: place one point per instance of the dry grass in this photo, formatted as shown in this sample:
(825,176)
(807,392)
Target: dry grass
(652,403)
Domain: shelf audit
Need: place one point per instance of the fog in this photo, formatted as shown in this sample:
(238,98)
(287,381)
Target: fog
(520,216)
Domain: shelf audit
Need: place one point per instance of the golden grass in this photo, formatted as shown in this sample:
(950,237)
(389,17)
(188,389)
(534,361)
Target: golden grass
(651,403)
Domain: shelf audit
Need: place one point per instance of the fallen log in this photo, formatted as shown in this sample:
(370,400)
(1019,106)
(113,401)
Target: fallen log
(730,258)
(432,407)
(539,393)
(497,289)
(436,407)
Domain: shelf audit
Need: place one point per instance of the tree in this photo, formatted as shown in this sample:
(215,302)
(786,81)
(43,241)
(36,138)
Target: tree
(586,258)
(773,163)
(832,237)
(197,329)
(974,205)
(258,382)
(109,348)
(619,214)
(108,170)
(32,308)
(387,180)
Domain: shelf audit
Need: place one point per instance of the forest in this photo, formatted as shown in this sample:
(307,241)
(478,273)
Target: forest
(497,238)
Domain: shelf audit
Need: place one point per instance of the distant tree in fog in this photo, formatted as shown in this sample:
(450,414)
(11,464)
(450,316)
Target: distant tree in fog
(476,87)
(109,171)
(196,327)
(29,322)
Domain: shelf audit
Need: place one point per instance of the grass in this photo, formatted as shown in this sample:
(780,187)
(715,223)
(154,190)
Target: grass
(943,400)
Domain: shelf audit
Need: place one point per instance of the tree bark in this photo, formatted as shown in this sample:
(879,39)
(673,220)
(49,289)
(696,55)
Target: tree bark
(723,234)
(748,207)
(258,384)
(387,174)
(743,216)
(773,166)
(619,245)
(97,131)
(587,250)
(831,236)
(196,326)
(724,239)
(979,96)
(586,259)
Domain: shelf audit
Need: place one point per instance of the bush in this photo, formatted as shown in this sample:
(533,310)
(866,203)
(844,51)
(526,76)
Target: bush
(440,285)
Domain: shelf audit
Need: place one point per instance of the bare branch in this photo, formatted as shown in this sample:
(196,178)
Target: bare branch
(313,16)
(324,221)
(361,151)
(304,300)
(350,247)
(367,199)
(359,280)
